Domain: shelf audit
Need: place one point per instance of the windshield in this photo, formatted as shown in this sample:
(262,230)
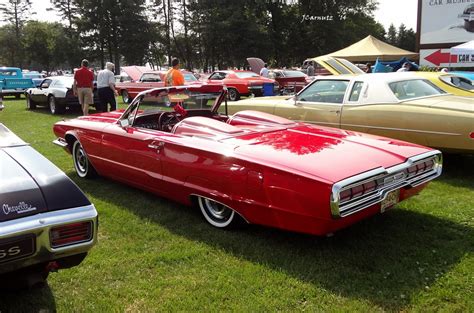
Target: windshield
(64,82)
(457,81)
(415,88)
(246,74)
(189,77)
(146,109)
(150,77)
(33,75)
(294,74)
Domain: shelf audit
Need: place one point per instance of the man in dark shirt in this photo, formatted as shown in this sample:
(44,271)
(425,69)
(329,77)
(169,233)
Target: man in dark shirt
(83,86)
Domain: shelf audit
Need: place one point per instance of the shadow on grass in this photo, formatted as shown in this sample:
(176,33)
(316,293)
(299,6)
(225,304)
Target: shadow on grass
(458,170)
(385,259)
(38,299)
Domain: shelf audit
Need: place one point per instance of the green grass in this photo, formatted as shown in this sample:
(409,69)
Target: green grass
(156,255)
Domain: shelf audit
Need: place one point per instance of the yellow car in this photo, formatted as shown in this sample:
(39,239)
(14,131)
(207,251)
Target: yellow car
(396,105)
(457,85)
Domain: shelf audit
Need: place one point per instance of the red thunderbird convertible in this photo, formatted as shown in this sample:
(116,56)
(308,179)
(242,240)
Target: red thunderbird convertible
(250,167)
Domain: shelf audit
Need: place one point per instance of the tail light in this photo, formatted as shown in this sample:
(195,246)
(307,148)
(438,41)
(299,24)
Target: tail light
(471,135)
(70,234)
(69,93)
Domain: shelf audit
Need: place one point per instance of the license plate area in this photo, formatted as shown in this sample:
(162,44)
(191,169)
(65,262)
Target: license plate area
(17,248)
(391,199)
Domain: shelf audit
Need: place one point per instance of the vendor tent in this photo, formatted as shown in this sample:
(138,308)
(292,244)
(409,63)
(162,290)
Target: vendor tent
(369,49)
(465,48)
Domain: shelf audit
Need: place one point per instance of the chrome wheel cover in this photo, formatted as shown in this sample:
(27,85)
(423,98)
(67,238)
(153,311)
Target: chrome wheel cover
(217,214)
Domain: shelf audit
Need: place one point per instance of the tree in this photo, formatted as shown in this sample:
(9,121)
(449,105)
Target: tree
(16,12)
(392,37)
(43,45)
(406,38)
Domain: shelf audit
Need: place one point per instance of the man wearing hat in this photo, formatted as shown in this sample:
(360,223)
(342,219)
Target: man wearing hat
(106,87)
(83,86)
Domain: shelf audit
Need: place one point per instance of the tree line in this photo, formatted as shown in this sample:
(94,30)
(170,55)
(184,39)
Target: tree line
(203,34)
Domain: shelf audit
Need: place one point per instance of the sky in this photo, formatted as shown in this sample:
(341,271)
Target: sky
(389,11)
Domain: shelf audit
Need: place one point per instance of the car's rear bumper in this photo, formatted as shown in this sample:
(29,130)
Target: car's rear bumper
(39,226)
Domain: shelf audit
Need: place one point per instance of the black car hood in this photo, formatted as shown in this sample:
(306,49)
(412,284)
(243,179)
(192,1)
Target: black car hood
(30,184)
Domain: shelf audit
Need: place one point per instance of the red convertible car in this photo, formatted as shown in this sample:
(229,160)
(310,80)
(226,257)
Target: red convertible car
(241,83)
(250,167)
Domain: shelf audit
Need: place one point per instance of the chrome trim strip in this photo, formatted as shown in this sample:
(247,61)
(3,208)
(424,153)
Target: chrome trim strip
(346,209)
(40,226)
(399,129)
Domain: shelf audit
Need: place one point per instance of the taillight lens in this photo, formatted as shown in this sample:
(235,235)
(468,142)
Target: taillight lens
(471,135)
(70,234)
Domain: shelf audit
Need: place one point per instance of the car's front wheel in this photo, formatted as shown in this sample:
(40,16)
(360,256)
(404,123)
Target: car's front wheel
(54,106)
(125,96)
(81,161)
(218,214)
(233,94)
(30,104)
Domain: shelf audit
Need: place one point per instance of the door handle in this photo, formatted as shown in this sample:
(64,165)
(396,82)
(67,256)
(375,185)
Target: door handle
(156,145)
(336,111)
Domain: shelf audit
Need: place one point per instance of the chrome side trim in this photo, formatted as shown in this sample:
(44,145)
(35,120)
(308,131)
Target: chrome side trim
(400,129)
(40,225)
(339,210)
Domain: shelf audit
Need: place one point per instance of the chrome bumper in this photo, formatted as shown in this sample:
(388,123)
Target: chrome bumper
(39,225)
(339,209)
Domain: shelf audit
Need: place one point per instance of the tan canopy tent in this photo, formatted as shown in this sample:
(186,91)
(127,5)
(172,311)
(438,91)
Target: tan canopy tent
(369,49)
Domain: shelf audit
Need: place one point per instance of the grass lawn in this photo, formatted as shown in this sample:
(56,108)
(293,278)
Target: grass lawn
(156,255)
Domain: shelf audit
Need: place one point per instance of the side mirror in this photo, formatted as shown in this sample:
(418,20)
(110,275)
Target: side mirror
(124,122)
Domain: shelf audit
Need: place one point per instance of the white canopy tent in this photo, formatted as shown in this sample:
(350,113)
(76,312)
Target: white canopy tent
(465,48)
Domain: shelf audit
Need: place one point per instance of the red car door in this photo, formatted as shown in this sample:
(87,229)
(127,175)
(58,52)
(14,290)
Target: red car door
(132,155)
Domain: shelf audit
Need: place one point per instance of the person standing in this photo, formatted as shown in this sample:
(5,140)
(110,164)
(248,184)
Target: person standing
(405,68)
(264,71)
(83,86)
(106,87)
(368,69)
(174,77)
(310,69)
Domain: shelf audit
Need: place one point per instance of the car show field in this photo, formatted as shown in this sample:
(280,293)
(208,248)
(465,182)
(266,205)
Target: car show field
(156,254)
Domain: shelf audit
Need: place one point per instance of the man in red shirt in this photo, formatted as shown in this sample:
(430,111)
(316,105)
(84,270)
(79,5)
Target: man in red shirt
(83,86)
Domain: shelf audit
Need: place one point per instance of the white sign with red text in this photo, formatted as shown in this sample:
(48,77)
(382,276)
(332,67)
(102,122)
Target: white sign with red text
(444,58)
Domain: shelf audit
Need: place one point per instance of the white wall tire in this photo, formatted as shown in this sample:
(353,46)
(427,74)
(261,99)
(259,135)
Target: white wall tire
(84,168)
(217,214)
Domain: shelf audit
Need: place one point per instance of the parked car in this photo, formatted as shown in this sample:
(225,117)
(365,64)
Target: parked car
(396,105)
(241,83)
(36,77)
(129,90)
(12,82)
(56,93)
(449,82)
(46,221)
(326,65)
(250,167)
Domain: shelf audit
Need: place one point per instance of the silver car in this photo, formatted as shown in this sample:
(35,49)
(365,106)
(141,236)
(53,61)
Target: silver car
(56,93)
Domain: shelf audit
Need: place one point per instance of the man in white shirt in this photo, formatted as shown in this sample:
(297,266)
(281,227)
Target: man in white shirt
(264,71)
(405,68)
(106,87)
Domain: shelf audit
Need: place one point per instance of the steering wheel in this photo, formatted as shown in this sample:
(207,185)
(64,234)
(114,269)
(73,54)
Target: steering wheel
(167,120)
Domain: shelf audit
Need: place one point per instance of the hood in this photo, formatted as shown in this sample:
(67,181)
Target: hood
(327,153)
(448,102)
(30,184)
(256,64)
(337,66)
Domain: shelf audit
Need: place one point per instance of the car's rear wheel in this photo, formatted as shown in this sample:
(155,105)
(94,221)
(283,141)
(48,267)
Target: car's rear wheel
(54,106)
(125,96)
(233,94)
(81,161)
(218,214)
(30,104)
